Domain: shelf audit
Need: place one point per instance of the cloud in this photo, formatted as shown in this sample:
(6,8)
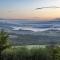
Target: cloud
(46,7)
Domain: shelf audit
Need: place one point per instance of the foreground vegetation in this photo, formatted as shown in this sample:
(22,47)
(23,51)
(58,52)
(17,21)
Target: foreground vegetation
(24,53)
(3,42)
(51,52)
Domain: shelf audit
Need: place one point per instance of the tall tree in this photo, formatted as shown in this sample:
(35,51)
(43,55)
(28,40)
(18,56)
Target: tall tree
(3,41)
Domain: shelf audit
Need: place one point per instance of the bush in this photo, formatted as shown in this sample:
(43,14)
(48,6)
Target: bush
(23,53)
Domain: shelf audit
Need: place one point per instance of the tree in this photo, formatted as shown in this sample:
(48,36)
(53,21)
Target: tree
(3,41)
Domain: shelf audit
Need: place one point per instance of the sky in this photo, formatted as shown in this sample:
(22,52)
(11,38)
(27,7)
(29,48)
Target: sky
(26,9)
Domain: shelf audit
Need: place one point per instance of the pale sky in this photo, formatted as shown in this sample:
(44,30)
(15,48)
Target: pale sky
(25,9)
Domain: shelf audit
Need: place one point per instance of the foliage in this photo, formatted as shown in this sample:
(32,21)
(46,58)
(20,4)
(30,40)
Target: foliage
(24,53)
(3,41)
